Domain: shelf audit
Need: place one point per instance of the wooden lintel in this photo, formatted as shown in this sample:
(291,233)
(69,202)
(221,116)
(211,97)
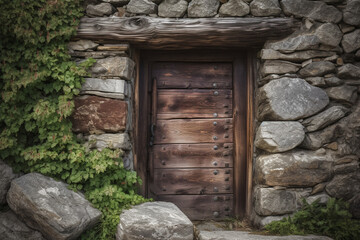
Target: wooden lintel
(186,33)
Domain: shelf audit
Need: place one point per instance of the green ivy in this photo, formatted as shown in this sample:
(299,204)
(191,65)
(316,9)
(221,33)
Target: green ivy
(38,84)
(332,219)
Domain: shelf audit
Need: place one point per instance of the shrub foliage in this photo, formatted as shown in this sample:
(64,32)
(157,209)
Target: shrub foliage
(332,219)
(38,82)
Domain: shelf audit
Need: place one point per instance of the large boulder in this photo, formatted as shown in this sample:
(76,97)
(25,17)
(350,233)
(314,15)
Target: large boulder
(11,228)
(141,7)
(50,207)
(352,12)
(290,99)
(296,168)
(234,8)
(173,8)
(94,114)
(6,176)
(316,10)
(203,8)
(351,41)
(265,8)
(122,67)
(325,118)
(154,220)
(279,136)
(344,186)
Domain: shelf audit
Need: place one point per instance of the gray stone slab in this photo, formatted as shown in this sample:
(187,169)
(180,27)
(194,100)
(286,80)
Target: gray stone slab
(113,88)
(203,8)
(112,141)
(173,8)
(234,8)
(265,8)
(141,7)
(100,10)
(122,67)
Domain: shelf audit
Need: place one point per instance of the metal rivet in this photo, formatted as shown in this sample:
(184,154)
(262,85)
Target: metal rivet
(226,136)
(215,114)
(216,93)
(227,172)
(215,147)
(215,163)
(215,137)
(163,162)
(216,214)
(227,179)
(226,112)
(226,127)
(214,123)
(216,189)
(216,198)
(214,85)
(216,172)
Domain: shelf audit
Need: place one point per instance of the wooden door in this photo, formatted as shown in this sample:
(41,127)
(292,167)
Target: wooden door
(191,145)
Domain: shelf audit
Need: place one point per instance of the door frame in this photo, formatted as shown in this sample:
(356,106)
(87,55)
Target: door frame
(244,65)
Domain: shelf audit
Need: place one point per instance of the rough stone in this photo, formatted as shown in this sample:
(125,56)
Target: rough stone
(332,82)
(344,186)
(296,168)
(278,67)
(349,71)
(112,141)
(329,34)
(295,43)
(269,201)
(154,220)
(6,176)
(346,168)
(316,140)
(265,8)
(316,81)
(346,159)
(122,67)
(318,188)
(141,7)
(50,207)
(325,118)
(317,69)
(352,12)
(315,10)
(237,235)
(261,221)
(173,8)
(117,3)
(269,54)
(234,8)
(100,10)
(97,115)
(11,228)
(351,41)
(113,88)
(203,8)
(279,136)
(345,93)
(82,45)
(290,99)
(322,198)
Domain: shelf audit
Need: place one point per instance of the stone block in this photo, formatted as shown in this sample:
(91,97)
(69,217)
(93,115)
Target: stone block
(345,94)
(6,176)
(344,186)
(100,10)
(117,3)
(97,115)
(316,69)
(203,8)
(318,139)
(296,168)
(349,71)
(265,8)
(82,45)
(173,8)
(112,88)
(279,136)
(154,220)
(122,67)
(50,207)
(290,99)
(234,8)
(351,12)
(269,54)
(351,41)
(112,141)
(141,7)
(278,67)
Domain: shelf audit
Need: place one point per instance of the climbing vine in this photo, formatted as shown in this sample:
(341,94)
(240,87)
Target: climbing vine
(38,82)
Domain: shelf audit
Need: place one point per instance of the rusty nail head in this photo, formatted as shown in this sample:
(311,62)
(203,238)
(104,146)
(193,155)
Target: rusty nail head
(215,163)
(163,162)
(215,137)
(216,189)
(216,172)
(214,84)
(215,147)
(216,93)
(216,214)
(215,114)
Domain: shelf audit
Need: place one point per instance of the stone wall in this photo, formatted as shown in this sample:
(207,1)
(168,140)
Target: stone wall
(308,129)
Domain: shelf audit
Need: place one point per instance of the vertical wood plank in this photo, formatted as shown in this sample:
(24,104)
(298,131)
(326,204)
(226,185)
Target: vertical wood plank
(239,120)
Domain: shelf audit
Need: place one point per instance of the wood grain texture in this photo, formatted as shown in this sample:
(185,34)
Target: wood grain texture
(193,75)
(202,207)
(217,155)
(192,181)
(194,131)
(194,103)
(167,33)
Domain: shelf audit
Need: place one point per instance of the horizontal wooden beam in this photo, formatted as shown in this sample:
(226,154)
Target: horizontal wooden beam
(166,33)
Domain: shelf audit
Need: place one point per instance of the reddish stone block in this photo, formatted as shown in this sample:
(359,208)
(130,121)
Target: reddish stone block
(97,114)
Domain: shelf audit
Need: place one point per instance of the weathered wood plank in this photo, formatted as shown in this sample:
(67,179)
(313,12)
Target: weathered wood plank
(192,181)
(194,103)
(194,131)
(193,75)
(202,207)
(167,33)
(217,155)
